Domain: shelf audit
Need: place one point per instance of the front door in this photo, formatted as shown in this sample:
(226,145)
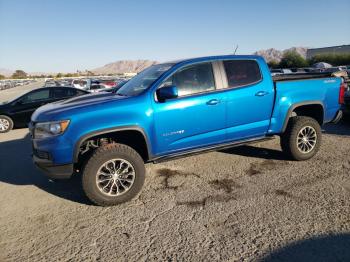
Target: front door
(26,105)
(196,118)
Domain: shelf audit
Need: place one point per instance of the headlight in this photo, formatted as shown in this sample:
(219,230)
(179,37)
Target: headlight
(49,129)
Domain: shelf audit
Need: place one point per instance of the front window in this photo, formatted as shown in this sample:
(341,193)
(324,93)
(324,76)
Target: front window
(193,79)
(143,80)
(36,96)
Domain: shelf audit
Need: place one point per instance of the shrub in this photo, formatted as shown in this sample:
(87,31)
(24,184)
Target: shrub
(292,59)
(333,59)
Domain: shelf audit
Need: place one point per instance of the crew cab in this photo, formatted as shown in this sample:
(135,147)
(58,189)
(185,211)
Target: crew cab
(175,109)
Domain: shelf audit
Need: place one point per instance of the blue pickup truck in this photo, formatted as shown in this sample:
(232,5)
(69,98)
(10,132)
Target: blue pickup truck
(175,109)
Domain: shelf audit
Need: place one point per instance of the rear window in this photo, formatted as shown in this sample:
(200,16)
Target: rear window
(241,72)
(59,93)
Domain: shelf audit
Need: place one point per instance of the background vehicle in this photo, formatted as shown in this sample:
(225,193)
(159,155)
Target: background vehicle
(280,71)
(115,88)
(81,83)
(50,83)
(175,109)
(17,112)
(96,88)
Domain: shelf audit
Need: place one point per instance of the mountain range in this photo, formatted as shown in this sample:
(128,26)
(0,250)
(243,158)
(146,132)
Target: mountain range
(124,66)
(135,66)
(272,54)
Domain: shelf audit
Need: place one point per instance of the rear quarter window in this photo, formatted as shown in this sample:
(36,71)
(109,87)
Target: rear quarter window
(241,72)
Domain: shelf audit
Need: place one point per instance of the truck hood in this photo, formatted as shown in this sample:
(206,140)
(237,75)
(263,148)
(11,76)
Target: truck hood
(56,110)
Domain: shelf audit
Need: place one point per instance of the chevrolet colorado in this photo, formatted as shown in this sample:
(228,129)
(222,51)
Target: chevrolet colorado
(175,109)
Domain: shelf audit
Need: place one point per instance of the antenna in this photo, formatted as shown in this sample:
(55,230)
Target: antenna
(235,50)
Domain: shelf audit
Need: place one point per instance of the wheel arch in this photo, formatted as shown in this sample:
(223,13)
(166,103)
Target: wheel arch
(314,109)
(115,132)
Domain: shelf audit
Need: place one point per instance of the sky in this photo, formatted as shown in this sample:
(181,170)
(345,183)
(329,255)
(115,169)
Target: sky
(67,35)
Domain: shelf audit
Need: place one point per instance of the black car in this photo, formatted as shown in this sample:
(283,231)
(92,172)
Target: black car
(17,112)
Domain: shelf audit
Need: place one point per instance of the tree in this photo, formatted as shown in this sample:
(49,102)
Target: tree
(273,64)
(292,59)
(71,75)
(2,77)
(333,59)
(18,74)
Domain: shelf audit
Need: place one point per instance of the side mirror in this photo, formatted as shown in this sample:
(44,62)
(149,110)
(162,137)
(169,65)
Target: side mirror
(167,92)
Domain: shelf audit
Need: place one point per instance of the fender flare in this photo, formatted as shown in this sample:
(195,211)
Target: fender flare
(107,131)
(296,105)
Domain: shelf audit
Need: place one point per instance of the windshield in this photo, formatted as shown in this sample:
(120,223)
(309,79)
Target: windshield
(143,80)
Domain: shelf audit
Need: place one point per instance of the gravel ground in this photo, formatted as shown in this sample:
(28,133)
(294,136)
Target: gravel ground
(244,204)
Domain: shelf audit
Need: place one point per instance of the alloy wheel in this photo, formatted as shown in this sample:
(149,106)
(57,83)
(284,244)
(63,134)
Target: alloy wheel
(306,139)
(4,124)
(115,177)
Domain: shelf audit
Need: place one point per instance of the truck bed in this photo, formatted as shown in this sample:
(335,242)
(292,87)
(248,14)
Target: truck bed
(300,76)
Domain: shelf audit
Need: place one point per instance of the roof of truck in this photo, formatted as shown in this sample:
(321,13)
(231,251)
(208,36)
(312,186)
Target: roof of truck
(213,58)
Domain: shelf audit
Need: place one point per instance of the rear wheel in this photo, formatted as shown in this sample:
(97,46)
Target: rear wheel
(6,124)
(302,138)
(114,174)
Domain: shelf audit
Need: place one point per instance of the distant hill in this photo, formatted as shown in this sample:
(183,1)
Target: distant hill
(124,66)
(274,54)
(6,72)
(135,66)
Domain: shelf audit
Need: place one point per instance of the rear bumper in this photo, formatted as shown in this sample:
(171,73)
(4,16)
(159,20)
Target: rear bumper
(53,171)
(337,117)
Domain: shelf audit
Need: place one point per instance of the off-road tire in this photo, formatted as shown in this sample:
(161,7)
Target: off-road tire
(98,158)
(9,120)
(289,142)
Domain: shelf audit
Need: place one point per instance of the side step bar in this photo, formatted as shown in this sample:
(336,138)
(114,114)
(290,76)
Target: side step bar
(209,149)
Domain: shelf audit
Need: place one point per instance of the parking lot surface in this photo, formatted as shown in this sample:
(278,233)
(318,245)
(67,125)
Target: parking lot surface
(11,93)
(244,204)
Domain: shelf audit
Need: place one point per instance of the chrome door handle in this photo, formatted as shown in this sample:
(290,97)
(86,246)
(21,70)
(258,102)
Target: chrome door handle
(261,93)
(213,102)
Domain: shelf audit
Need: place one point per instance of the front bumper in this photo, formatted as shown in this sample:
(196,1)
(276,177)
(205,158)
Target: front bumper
(51,170)
(53,156)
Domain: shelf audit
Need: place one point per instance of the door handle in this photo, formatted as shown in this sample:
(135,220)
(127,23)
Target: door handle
(261,93)
(213,102)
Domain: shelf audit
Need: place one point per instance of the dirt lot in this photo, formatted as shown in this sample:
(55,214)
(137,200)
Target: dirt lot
(247,203)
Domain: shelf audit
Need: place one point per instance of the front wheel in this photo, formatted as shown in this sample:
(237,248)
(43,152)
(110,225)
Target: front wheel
(302,138)
(114,174)
(6,124)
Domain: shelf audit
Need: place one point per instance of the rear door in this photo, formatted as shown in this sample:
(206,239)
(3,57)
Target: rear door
(249,99)
(197,117)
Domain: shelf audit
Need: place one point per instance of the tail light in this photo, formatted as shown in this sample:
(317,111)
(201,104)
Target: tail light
(342,90)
